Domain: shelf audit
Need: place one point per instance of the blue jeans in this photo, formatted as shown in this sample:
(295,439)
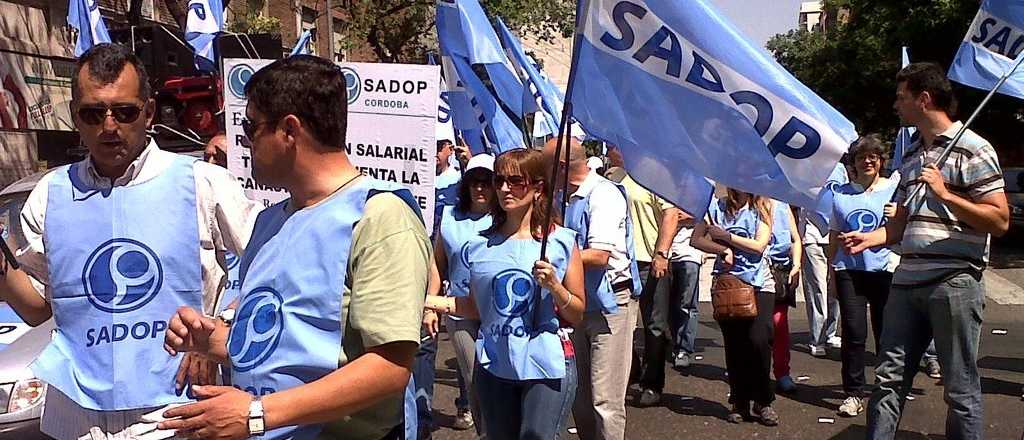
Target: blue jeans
(423,380)
(685,277)
(525,409)
(952,312)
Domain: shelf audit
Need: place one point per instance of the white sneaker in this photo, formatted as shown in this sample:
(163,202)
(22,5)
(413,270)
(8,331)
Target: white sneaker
(835,342)
(818,351)
(851,407)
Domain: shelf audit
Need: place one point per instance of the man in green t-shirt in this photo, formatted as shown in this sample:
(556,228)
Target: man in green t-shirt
(362,302)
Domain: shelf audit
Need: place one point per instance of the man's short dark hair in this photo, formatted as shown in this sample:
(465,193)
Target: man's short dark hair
(441,143)
(931,78)
(106,61)
(308,87)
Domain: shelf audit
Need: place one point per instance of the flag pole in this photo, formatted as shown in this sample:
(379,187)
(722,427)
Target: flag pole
(564,131)
(560,144)
(963,129)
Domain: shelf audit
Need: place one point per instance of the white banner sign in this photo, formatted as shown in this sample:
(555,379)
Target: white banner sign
(392,113)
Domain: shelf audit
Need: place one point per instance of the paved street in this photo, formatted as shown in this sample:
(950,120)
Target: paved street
(694,402)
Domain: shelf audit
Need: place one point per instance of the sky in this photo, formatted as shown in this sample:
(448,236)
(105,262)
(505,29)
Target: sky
(759,20)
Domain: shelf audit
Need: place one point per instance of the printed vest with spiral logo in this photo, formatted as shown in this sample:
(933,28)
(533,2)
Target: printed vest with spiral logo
(858,210)
(121,261)
(749,267)
(518,329)
(288,329)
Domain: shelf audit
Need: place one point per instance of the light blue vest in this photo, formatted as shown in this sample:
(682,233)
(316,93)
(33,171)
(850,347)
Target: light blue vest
(288,329)
(234,284)
(446,192)
(457,228)
(855,210)
(600,296)
(820,215)
(518,337)
(781,246)
(749,267)
(121,261)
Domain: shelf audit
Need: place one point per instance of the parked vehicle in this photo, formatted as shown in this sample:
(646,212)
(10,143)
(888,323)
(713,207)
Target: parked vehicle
(21,394)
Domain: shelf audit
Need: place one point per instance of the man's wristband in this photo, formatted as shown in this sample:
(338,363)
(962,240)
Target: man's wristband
(661,254)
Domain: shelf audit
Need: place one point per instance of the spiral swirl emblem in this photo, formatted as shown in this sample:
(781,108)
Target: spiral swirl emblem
(738,231)
(237,77)
(863,220)
(122,275)
(351,83)
(257,328)
(231,260)
(513,290)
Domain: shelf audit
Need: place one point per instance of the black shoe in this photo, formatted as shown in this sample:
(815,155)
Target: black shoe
(647,398)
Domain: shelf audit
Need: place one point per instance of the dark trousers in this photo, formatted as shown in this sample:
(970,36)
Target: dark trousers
(748,354)
(857,291)
(659,311)
(423,380)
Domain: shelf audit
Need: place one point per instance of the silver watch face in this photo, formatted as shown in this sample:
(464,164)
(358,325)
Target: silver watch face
(256,426)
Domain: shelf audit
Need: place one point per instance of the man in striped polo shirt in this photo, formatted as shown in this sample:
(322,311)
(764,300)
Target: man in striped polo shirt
(944,234)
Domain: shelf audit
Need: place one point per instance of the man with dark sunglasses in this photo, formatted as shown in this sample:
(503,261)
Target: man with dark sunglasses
(333,282)
(119,240)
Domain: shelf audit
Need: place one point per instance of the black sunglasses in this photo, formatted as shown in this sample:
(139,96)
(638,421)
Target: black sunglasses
(123,113)
(515,183)
(249,128)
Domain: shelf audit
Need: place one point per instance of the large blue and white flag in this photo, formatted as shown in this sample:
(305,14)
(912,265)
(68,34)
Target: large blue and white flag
(988,51)
(302,46)
(85,17)
(468,114)
(906,134)
(460,108)
(204,21)
(678,88)
(536,86)
(444,128)
(499,132)
(463,30)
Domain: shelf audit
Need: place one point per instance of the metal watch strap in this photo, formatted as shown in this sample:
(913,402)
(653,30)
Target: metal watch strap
(257,424)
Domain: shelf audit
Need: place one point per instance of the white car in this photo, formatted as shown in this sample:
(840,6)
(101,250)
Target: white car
(21,394)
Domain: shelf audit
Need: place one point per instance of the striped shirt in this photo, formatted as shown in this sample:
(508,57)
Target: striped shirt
(935,243)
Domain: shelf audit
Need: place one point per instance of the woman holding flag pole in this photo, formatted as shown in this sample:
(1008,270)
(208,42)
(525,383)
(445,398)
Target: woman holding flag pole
(526,371)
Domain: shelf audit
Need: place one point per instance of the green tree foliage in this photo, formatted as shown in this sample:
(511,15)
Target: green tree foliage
(403,30)
(853,62)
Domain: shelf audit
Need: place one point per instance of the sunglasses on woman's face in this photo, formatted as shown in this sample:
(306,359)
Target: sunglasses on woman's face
(515,183)
(122,113)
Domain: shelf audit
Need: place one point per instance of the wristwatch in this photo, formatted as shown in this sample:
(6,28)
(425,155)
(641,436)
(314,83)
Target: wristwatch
(256,422)
(662,254)
(227,315)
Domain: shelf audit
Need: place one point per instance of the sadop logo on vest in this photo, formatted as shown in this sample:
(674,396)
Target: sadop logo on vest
(738,231)
(237,78)
(863,220)
(231,261)
(257,328)
(122,275)
(352,82)
(513,290)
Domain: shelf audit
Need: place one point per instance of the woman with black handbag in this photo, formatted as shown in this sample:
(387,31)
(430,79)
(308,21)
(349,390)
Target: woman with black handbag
(738,231)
